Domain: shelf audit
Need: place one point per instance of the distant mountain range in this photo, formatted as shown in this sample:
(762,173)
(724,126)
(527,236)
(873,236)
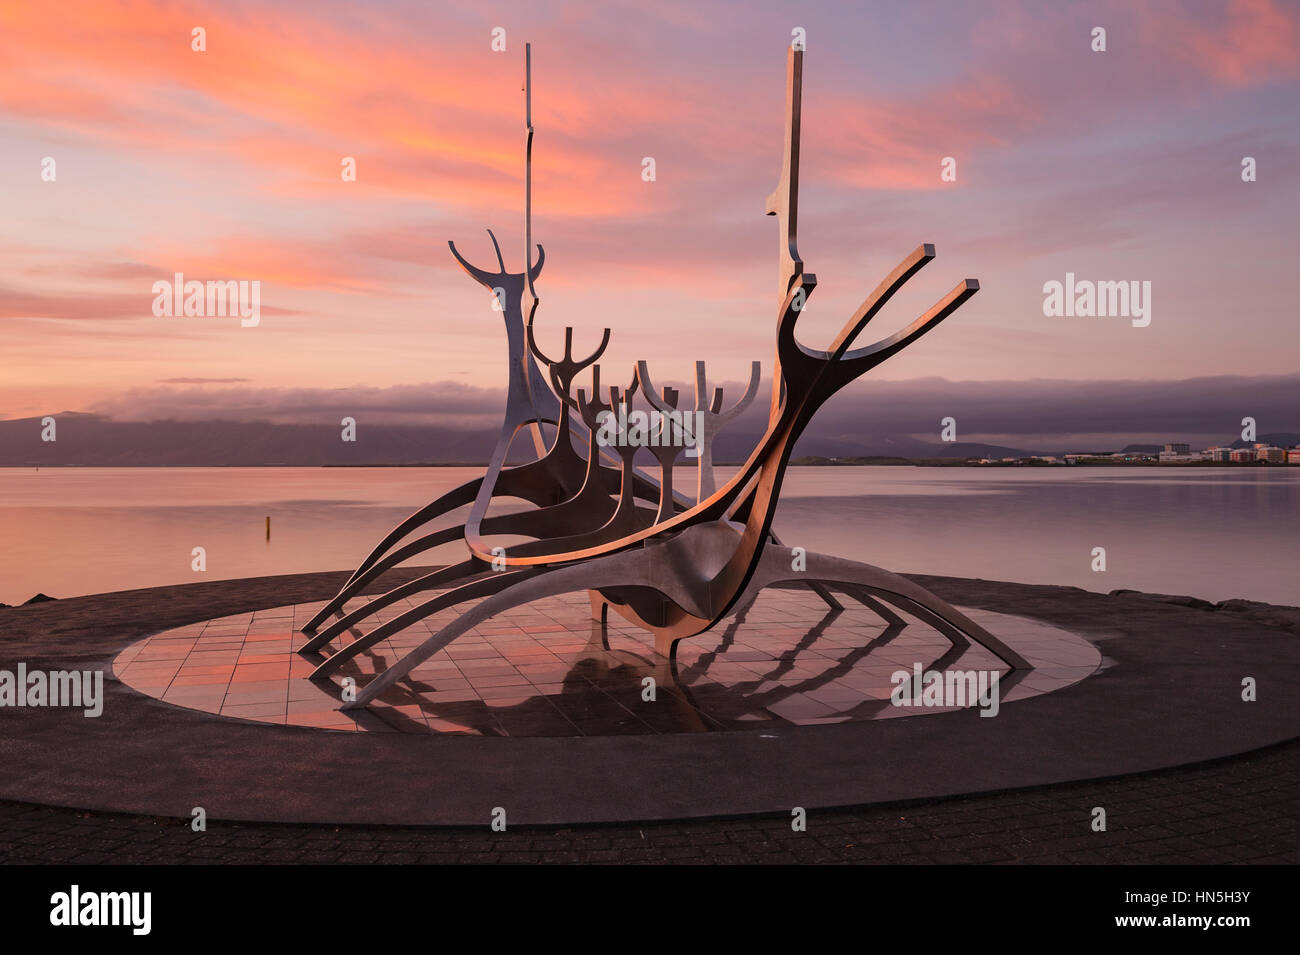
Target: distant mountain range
(94,441)
(91,440)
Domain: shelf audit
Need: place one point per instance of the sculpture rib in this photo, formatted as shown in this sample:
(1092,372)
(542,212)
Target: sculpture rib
(449,501)
(619,567)
(442,577)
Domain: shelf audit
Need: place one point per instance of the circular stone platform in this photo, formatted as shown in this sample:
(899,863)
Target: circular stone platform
(548,669)
(1169,693)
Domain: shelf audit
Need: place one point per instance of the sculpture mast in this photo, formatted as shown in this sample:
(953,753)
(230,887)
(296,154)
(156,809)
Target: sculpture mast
(531,300)
(784,200)
(784,204)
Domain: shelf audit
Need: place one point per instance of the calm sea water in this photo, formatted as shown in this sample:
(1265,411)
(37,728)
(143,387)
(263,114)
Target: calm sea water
(1213,533)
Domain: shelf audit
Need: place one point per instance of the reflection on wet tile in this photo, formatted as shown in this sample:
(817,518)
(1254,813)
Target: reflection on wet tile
(546,670)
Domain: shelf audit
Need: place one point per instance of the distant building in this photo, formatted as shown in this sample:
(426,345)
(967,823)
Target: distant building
(1178,454)
(1243,455)
(1271,454)
(1218,454)
(1293,456)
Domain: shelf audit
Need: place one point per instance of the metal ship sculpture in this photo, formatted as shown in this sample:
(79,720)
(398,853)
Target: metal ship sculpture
(672,563)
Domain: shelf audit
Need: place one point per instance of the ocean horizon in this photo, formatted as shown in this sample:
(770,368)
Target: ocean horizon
(1210,532)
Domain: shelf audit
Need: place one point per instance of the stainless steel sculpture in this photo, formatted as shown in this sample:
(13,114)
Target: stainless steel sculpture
(598,523)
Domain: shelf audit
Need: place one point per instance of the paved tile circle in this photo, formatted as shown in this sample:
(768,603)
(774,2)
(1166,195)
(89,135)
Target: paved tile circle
(548,670)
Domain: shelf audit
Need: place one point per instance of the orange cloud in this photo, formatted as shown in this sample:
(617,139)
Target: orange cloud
(290,94)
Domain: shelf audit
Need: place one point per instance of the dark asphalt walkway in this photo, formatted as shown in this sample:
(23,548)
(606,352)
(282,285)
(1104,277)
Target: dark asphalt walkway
(1245,809)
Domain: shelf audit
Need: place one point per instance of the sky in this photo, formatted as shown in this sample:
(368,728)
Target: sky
(224,164)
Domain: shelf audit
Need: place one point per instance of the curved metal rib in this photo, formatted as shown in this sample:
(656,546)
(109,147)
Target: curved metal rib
(775,567)
(443,577)
(591,505)
(457,497)
(518,588)
(483,587)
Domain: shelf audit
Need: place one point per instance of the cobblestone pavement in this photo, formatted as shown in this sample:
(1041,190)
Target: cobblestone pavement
(1238,810)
